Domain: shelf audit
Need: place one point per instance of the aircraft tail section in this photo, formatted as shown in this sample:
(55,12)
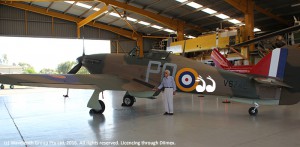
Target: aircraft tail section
(291,77)
(219,60)
(273,64)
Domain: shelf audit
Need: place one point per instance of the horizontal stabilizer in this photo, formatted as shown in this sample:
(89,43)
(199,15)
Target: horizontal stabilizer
(272,82)
(253,101)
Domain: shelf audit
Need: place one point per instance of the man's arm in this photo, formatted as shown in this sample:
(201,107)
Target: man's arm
(159,87)
(173,84)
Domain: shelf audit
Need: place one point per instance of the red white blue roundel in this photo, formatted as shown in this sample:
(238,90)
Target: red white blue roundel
(186,79)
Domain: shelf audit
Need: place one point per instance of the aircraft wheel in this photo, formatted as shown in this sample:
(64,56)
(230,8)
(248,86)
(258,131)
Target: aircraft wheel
(11,86)
(253,111)
(128,100)
(96,111)
(2,86)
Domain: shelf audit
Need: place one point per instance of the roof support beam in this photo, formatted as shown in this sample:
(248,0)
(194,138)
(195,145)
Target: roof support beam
(42,11)
(49,6)
(266,12)
(242,6)
(199,9)
(116,30)
(164,20)
(69,7)
(238,4)
(94,6)
(249,23)
(153,3)
(175,6)
(42,0)
(127,23)
(247,7)
(92,17)
(172,23)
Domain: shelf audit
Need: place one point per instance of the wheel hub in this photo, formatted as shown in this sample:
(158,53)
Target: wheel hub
(127,101)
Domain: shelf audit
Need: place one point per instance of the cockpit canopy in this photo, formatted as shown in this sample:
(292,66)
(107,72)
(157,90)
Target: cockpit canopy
(152,54)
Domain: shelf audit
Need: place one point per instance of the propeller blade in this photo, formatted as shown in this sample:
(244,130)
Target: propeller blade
(83,53)
(75,69)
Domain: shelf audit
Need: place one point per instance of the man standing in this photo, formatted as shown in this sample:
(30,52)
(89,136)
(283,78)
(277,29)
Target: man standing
(169,86)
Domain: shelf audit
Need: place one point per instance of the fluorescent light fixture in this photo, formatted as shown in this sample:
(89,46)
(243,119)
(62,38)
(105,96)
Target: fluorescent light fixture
(181,1)
(114,14)
(70,2)
(191,37)
(168,30)
(131,19)
(83,5)
(194,5)
(209,11)
(96,9)
(222,16)
(144,23)
(234,21)
(156,27)
(256,30)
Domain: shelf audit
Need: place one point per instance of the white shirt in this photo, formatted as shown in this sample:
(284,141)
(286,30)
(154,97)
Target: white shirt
(168,82)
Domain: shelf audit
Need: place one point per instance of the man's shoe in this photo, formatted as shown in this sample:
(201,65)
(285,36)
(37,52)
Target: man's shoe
(170,113)
(166,113)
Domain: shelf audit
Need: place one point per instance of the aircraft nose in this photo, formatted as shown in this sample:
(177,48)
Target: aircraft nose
(79,59)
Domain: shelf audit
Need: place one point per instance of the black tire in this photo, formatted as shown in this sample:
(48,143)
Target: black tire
(94,111)
(128,100)
(11,86)
(252,111)
(2,86)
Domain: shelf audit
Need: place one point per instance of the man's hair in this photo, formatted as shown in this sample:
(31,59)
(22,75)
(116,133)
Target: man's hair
(167,71)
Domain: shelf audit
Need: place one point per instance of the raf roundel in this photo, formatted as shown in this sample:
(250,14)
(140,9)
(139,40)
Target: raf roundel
(186,79)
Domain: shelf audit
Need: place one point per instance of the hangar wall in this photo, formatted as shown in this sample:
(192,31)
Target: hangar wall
(16,22)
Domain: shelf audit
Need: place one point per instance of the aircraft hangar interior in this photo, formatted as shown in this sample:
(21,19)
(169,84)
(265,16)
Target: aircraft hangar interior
(208,73)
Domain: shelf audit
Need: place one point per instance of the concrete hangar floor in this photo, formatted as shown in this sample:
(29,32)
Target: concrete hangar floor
(42,117)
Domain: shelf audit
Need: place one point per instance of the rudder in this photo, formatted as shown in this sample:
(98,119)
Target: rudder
(291,77)
(272,65)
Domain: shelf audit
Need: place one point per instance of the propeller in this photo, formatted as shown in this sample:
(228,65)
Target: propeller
(77,67)
(83,59)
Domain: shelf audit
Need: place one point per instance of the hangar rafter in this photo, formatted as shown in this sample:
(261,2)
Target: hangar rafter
(172,23)
(92,16)
(42,11)
(242,6)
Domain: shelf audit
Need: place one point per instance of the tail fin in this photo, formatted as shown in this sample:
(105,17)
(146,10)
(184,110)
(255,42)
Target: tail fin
(291,77)
(219,60)
(273,64)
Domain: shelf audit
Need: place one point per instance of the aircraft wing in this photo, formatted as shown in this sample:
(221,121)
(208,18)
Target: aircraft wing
(76,81)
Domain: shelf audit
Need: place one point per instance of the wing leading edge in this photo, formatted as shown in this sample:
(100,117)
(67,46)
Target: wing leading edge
(76,81)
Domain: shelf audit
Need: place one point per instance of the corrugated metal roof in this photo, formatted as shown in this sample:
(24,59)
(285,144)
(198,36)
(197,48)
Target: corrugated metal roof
(176,10)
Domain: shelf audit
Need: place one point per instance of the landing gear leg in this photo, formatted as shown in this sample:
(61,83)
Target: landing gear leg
(97,105)
(253,110)
(128,100)
(67,95)
(2,86)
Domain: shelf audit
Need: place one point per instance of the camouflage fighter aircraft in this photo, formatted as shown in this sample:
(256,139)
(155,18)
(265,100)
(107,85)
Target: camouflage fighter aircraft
(277,85)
